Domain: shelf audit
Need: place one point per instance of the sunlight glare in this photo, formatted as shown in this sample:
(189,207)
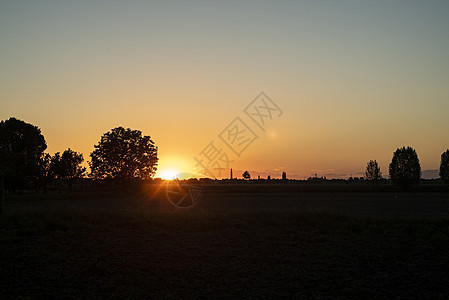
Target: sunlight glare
(169,174)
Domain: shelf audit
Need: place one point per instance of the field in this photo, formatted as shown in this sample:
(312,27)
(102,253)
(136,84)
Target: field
(238,242)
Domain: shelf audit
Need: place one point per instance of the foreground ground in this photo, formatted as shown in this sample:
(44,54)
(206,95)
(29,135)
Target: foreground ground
(116,247)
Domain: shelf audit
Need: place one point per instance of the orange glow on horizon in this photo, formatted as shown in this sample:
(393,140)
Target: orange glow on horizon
(167,174)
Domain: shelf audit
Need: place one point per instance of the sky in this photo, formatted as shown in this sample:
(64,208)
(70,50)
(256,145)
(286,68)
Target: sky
(352,80)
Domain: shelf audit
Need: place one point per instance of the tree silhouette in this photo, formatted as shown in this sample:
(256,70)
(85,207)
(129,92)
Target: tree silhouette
(405,169)
(21,149)
(284,176)
(124,154)
(246,175)
(67,167)
(444,166)
(45,172)
(372,172)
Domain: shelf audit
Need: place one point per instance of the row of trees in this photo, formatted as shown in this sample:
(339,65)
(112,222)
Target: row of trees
(120,155)
(405,169)
(247,176)
(24,163)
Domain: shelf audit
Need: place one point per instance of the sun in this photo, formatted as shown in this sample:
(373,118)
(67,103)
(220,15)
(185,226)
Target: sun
(169,174)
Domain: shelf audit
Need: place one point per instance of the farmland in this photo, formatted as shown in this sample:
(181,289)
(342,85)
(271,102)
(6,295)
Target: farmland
(238,242)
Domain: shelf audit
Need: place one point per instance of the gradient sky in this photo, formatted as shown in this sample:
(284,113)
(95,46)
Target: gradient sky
(355,79)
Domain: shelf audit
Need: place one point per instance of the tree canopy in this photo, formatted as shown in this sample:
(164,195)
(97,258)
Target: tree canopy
(124,154)
(405,169)
(67,166)
(22,148)
(372,172)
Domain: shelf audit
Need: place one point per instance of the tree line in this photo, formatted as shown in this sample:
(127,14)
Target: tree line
(121,155)
(405,169)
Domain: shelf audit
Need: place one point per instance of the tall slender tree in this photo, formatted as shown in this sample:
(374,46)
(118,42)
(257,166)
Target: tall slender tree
(372,172)
(444,166)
